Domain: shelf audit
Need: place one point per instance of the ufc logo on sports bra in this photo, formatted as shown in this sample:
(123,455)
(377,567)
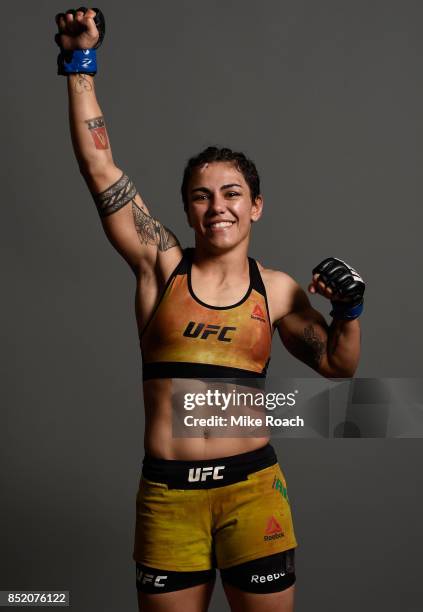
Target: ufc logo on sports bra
(197,474)
(207,330)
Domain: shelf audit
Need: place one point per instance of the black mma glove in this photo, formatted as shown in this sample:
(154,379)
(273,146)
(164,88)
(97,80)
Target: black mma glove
(347,286)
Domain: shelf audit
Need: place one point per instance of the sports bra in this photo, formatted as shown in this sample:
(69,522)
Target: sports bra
(187,338)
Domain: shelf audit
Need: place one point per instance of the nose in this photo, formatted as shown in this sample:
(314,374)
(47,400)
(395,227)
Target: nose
(217,204)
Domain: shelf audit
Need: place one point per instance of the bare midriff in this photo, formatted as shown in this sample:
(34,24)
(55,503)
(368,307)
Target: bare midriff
(161,400)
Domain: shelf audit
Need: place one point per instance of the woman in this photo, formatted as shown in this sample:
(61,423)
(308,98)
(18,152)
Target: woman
(208,312)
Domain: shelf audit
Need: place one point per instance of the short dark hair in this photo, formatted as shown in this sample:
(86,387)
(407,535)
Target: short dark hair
(215,154)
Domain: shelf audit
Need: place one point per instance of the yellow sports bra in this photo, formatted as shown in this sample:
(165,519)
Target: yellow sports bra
(186,338)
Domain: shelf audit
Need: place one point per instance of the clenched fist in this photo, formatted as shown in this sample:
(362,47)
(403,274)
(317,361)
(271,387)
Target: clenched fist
(80,29)
(340,283)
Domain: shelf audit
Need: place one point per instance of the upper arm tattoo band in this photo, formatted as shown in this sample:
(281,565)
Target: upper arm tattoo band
(149,230)
(316,348)
(115,197)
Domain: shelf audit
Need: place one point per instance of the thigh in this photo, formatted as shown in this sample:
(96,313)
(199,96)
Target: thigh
(264,584)
(195,599)
(272,574)
(172,530)
(253,518)
(241,601)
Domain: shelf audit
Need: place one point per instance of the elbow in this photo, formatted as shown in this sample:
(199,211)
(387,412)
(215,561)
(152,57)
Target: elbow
(336,369)
(85,169)
(338,373)
(97,175)
(93,168)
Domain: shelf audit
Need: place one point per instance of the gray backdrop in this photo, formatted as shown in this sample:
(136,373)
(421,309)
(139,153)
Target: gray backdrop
(326,97)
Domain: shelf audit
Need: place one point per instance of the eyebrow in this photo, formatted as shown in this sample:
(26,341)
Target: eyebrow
(204,189)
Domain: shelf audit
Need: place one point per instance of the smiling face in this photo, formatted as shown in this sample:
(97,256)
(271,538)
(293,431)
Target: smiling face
(220,208)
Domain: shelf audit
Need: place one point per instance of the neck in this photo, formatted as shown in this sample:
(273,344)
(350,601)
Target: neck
(230,263)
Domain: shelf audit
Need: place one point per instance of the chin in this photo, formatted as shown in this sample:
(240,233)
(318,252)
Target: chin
(218,246)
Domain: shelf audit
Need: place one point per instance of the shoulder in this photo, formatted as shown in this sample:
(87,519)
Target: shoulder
(275,277)
(284,294)
(277,281)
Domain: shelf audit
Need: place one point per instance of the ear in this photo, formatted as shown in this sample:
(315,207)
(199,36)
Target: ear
(257,208)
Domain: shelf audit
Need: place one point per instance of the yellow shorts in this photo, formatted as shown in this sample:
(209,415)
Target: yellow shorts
(197,515)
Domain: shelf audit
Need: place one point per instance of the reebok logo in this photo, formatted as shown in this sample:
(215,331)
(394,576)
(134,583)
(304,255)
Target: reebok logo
(273,530)
(201,474)
(145,578)
(258,314)
(268,578)
(194,332)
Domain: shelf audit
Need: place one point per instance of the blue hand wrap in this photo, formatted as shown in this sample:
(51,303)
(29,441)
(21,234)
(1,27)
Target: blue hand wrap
(80,61)
(341,310)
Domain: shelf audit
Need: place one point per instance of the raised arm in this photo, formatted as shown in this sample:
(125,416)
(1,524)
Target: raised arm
(142,240)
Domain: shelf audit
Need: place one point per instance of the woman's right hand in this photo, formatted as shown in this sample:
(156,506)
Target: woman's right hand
(77,30)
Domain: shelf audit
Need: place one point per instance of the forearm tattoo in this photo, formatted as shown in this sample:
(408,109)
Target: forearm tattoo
(115,197)
(82,84)
(315,347)
(98,131)
(151,231)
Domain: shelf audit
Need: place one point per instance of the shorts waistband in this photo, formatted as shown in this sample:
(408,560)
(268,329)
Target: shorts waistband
(207,473)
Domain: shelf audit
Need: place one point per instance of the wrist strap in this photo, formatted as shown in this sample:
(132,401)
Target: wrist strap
(80,61)
(341,310)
